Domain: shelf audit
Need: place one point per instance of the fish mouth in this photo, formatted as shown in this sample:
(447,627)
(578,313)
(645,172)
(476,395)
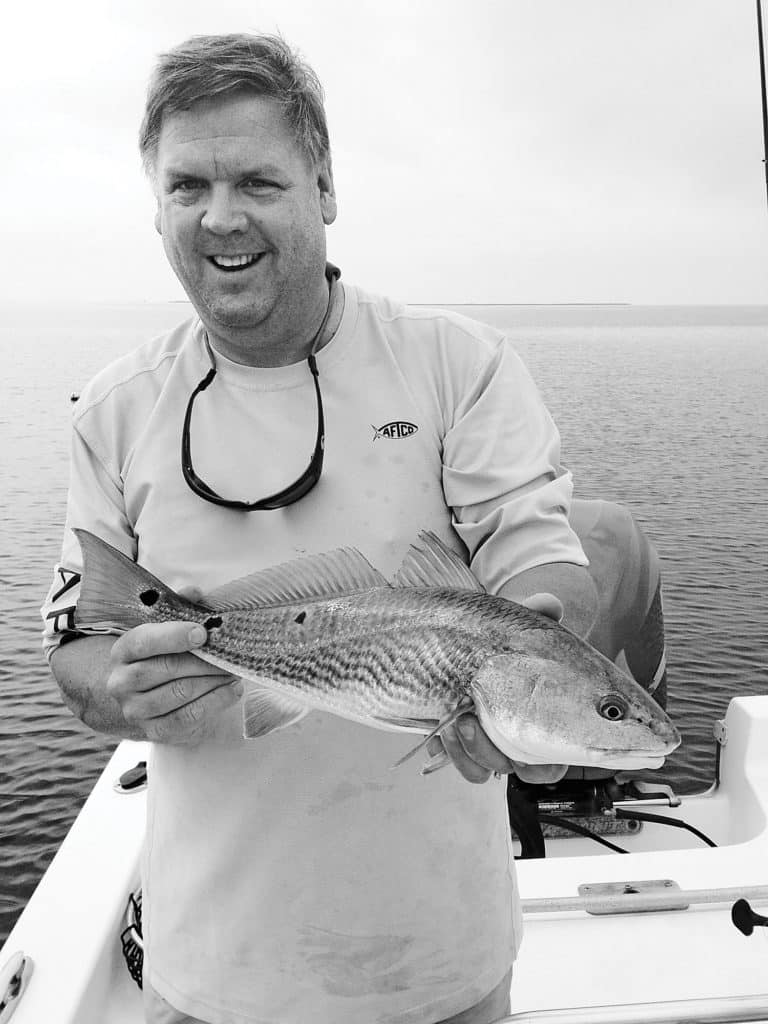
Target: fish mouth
(636,751)
(613,758)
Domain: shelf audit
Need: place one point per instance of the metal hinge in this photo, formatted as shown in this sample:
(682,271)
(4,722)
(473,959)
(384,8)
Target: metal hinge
(720,729)
(14,977)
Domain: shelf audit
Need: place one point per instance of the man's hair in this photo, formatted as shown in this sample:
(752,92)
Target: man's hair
(220,65)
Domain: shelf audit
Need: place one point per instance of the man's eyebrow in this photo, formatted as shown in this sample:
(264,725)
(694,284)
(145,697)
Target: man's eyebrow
(174,173)
(270,170)
(253,171)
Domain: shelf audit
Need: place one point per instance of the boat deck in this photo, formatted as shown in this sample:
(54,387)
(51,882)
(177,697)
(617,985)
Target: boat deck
(575,967)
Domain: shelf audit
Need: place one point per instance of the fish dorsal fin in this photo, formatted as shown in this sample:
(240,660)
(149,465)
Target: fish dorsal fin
(430,563)
(342,571)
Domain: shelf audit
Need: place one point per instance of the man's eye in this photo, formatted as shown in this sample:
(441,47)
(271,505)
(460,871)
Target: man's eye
(260,184)
(185,185)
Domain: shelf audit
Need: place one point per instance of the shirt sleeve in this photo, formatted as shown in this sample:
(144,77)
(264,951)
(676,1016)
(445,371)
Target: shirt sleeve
(502,475)
(95,503)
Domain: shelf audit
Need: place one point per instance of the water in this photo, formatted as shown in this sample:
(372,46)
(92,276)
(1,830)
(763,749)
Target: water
(661,408)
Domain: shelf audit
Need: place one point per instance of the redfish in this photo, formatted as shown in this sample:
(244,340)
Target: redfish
(329,633)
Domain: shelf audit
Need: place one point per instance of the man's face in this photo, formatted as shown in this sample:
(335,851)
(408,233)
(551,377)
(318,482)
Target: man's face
(242,214)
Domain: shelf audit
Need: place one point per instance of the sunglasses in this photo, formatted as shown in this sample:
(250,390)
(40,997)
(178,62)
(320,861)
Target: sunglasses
(304,484)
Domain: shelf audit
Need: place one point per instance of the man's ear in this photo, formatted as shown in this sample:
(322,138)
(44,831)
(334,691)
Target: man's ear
(327,191)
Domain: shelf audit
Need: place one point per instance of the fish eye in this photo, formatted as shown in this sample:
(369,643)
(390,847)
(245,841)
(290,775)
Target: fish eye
(612,707)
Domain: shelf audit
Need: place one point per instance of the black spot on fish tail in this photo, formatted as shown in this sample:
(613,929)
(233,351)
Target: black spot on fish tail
(213,621)
(149,597)
(300,618)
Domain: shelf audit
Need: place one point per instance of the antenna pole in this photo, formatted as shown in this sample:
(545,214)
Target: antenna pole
(762,90)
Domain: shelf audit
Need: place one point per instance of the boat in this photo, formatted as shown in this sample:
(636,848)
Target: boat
(671,931)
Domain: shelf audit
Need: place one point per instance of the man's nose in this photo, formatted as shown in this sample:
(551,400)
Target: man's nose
(224,212)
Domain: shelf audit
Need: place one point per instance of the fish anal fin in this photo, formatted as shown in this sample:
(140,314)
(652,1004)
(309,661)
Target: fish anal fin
(265,711)
(342,571)
(431,563)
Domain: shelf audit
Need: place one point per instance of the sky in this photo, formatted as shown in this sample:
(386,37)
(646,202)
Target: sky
(492,151)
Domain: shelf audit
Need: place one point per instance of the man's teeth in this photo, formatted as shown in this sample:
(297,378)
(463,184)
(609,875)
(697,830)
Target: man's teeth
(234,261)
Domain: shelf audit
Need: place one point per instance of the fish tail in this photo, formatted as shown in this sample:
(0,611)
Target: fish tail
(112,586)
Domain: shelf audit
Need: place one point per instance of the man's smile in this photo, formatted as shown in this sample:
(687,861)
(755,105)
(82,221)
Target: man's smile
(234,263)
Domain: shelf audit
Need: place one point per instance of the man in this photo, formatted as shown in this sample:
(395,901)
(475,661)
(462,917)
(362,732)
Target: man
(295,877)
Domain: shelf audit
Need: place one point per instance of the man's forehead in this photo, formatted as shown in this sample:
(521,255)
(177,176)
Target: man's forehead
(238,124)
(179,165)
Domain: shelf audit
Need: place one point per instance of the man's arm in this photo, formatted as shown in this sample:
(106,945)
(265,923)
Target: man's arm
(145,684)
(81,669)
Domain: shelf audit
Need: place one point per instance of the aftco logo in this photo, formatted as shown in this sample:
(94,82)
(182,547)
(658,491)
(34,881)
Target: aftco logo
(395,429)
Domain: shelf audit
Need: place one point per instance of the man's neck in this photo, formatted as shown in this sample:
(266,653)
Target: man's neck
(264,346)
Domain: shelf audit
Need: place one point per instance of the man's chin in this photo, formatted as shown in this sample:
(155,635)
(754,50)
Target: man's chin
(231,316)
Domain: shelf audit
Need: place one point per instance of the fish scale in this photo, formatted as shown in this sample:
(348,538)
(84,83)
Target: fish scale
(328,632)
(386,672)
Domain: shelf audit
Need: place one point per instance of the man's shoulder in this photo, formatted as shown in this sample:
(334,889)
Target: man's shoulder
(422,321)
(144,367)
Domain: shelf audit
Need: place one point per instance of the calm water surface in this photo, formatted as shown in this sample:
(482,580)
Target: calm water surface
(661,408)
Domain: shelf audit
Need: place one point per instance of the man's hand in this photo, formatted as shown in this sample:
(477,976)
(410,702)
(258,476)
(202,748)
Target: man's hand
(477,758)
(469,748)
(162,689)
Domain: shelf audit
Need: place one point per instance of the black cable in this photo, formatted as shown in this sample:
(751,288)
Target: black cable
(554,819)
(524,819)
(660,819)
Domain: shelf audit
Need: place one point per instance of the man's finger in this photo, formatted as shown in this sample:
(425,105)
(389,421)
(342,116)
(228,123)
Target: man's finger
(467,766)
(478,747)
(540,774)
(176,694)
(154,638)
(192,720)
(146,675)
(471,771)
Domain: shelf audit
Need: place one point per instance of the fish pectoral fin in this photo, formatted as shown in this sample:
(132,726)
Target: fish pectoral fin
(264,711)
(465,706)
(431,563)
(417,724)
(434,764)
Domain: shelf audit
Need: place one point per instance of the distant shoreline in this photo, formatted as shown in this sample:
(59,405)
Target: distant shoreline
(538,305)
